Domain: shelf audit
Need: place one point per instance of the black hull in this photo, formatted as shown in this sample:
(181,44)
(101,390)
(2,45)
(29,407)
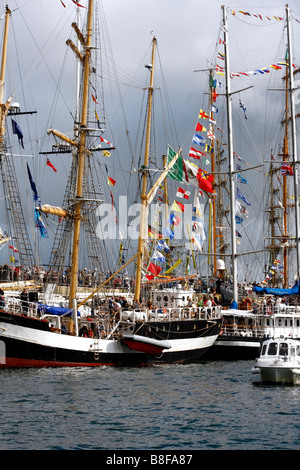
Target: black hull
(21,353)
(234,348)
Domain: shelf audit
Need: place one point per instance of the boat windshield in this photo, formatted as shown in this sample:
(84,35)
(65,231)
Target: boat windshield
(283,349)
(272,350)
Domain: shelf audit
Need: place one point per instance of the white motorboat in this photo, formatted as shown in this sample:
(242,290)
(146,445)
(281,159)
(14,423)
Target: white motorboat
(279,361)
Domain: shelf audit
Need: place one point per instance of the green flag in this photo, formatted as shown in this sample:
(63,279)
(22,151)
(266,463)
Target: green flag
(176,171)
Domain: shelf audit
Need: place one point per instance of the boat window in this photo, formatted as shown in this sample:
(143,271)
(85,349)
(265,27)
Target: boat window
(272,351)
(283,349)
(298,350)
(292,351)
(264,348)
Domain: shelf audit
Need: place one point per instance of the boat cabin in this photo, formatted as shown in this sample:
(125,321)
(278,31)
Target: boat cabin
(283,348)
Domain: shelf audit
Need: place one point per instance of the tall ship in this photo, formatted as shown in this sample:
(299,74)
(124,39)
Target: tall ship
(39,335)
(269,307)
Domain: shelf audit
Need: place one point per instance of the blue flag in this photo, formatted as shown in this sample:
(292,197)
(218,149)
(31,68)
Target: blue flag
(33,187)
(17,130)
(40,224)
(240,196)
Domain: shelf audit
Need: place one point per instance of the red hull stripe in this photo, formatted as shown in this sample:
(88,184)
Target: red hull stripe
(16,363)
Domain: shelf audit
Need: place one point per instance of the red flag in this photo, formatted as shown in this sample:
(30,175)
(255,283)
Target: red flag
(182,193)
(205,180)
(94,99)
(112,201)
(106,141)
(200,128)
(76,3)
(111,181)
(196,153)
(13,248)
(50,164)
(154,269)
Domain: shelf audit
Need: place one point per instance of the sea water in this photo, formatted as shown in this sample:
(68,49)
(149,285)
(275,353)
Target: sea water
(211,405)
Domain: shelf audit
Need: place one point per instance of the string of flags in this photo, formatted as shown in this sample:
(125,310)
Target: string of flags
(254,15)
(197,238)
(258,71)
(272,271)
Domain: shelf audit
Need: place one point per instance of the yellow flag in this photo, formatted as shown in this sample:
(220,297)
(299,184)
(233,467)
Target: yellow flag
(174,266)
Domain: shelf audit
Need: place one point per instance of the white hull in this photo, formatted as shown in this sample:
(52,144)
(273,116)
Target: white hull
(279,362)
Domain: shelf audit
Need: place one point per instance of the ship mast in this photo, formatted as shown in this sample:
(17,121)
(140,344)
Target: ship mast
(147,198)
(4,106)
(230,157)
(294,141)
(143,214)
(213,203)
(13,198)
(81,159)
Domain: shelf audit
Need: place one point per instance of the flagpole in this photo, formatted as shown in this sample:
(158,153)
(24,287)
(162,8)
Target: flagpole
(294,140)
(230,152)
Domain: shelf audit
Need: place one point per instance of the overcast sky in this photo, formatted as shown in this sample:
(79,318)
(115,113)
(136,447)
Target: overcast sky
(187,32)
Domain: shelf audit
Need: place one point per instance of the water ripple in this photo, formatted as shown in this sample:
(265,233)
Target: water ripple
(213,405)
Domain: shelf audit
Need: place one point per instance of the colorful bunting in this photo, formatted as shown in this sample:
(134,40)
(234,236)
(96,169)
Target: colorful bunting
(177,206)
(200,128)
(157,256)
(182,193)
(246,13)
(106,141)
(162,245)
(198,177)
(173,219)
(239,195)
(198,232)
(203,115)
(261,70)
(196,153)
(198,139)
